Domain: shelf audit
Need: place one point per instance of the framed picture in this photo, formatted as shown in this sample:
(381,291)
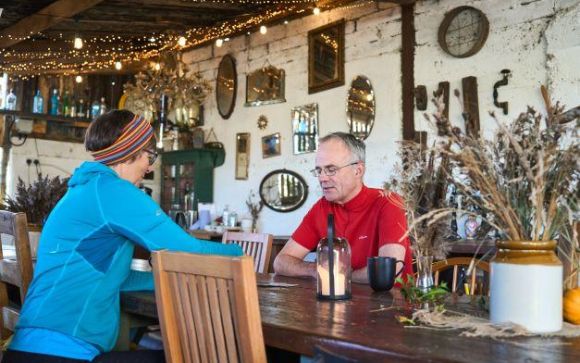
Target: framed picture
(326,57)
(265,86)
(271,145)
(242,155)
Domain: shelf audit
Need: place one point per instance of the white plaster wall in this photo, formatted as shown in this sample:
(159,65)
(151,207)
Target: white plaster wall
(538,40)
(372,48)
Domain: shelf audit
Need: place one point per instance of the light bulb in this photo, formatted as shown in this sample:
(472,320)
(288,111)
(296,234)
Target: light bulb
(285,21)
(118,65)
(157,66)
(219,42)
(263,29)
(78,43)
(316,11)
(182,41)
(79,79)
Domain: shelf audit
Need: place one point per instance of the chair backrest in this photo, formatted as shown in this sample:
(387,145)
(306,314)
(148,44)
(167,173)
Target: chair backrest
(14,271)
(473,265)
(257,245)
(208,308)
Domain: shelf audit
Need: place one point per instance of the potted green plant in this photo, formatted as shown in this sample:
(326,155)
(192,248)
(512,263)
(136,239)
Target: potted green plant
(36,200)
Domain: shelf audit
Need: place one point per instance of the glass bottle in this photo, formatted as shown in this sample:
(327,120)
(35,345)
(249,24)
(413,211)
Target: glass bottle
(38,103)
(95,109)
(73,107)
(11,101)
(66,104)
(54,102)
(226,215)
(81,108)
(102,106)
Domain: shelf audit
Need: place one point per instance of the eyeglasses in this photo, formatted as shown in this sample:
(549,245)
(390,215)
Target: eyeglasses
(152,155)
(330,170)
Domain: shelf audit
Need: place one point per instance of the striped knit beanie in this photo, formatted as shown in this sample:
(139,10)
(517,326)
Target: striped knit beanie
(135,135)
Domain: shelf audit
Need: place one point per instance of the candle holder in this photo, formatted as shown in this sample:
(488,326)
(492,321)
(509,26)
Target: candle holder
(333,266)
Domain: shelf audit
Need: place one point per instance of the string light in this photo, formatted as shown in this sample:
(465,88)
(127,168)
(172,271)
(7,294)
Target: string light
(316,11)
(118,65)
(78,42)
(101,52)
(79,79)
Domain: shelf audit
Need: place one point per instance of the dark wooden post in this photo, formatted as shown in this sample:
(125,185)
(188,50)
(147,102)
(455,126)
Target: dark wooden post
(408,69)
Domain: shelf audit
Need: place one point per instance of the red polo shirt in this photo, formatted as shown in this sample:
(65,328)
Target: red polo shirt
(369,221)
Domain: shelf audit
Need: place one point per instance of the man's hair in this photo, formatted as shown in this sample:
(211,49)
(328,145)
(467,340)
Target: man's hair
(107,128)
(355,146)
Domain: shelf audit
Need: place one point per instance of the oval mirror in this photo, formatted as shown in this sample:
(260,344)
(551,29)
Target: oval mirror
(360,107)
(226,86)
(283,190)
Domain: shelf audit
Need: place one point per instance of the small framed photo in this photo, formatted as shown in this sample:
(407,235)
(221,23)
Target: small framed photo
(271,145)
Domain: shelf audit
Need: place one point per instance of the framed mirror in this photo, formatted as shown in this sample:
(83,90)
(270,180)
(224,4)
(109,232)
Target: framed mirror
(271,145)
(226,86)
(283,190)
(305,128)
(265,86)
(360,107)
(242,155)
(326,57)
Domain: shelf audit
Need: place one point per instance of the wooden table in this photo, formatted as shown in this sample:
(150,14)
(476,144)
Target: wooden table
(293,319)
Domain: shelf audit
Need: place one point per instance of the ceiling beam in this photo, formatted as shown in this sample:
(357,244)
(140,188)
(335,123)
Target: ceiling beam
(45,18)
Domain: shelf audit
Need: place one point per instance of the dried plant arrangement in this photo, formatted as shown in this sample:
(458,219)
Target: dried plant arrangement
(422,182)
(255,208)
(37,199)
(525,179)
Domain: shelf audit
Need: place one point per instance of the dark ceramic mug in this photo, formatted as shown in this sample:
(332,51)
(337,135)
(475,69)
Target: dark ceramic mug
(381,272)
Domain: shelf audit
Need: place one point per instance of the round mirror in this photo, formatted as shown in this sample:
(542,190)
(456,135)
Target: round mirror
(283,190)
(226,85)
(360,107)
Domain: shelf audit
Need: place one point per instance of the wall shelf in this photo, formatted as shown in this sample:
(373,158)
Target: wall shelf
(51,127)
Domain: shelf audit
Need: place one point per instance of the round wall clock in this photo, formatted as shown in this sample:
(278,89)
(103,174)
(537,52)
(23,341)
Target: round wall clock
(463,31)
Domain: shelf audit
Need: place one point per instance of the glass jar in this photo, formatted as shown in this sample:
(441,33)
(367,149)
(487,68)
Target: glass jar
(338,261)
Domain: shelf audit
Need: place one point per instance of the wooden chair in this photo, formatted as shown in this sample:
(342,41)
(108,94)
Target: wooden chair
(208,308)
(14,271)
(472,266)
(257,245)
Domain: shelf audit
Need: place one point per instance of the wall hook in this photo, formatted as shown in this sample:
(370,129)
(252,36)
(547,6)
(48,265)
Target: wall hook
(506,74)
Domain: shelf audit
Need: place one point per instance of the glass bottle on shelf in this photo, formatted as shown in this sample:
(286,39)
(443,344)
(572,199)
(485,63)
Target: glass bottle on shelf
(81,108)
(38,103)
(66,104)
(54,102)
(102,106)
(73,107)
(95,109)
(11,101)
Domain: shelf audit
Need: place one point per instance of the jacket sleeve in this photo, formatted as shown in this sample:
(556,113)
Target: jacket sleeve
(133,214)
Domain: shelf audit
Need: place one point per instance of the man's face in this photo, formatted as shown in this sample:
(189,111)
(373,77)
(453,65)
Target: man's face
(334,156)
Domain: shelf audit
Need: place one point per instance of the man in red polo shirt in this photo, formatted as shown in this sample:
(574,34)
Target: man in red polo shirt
(370,219)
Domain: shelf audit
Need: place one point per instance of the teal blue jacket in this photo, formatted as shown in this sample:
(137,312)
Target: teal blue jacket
(85,254)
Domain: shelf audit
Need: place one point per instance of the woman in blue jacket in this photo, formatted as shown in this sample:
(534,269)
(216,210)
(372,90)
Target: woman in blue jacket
(71,311)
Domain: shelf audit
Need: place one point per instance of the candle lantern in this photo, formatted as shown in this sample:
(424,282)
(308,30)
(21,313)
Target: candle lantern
(333,266)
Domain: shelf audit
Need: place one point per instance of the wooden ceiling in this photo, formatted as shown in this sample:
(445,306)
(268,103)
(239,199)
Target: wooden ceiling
(36,36)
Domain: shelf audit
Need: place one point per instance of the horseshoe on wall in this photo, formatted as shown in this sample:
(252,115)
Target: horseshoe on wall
(506,73)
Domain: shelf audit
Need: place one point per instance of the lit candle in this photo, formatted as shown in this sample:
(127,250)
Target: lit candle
(324,278)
